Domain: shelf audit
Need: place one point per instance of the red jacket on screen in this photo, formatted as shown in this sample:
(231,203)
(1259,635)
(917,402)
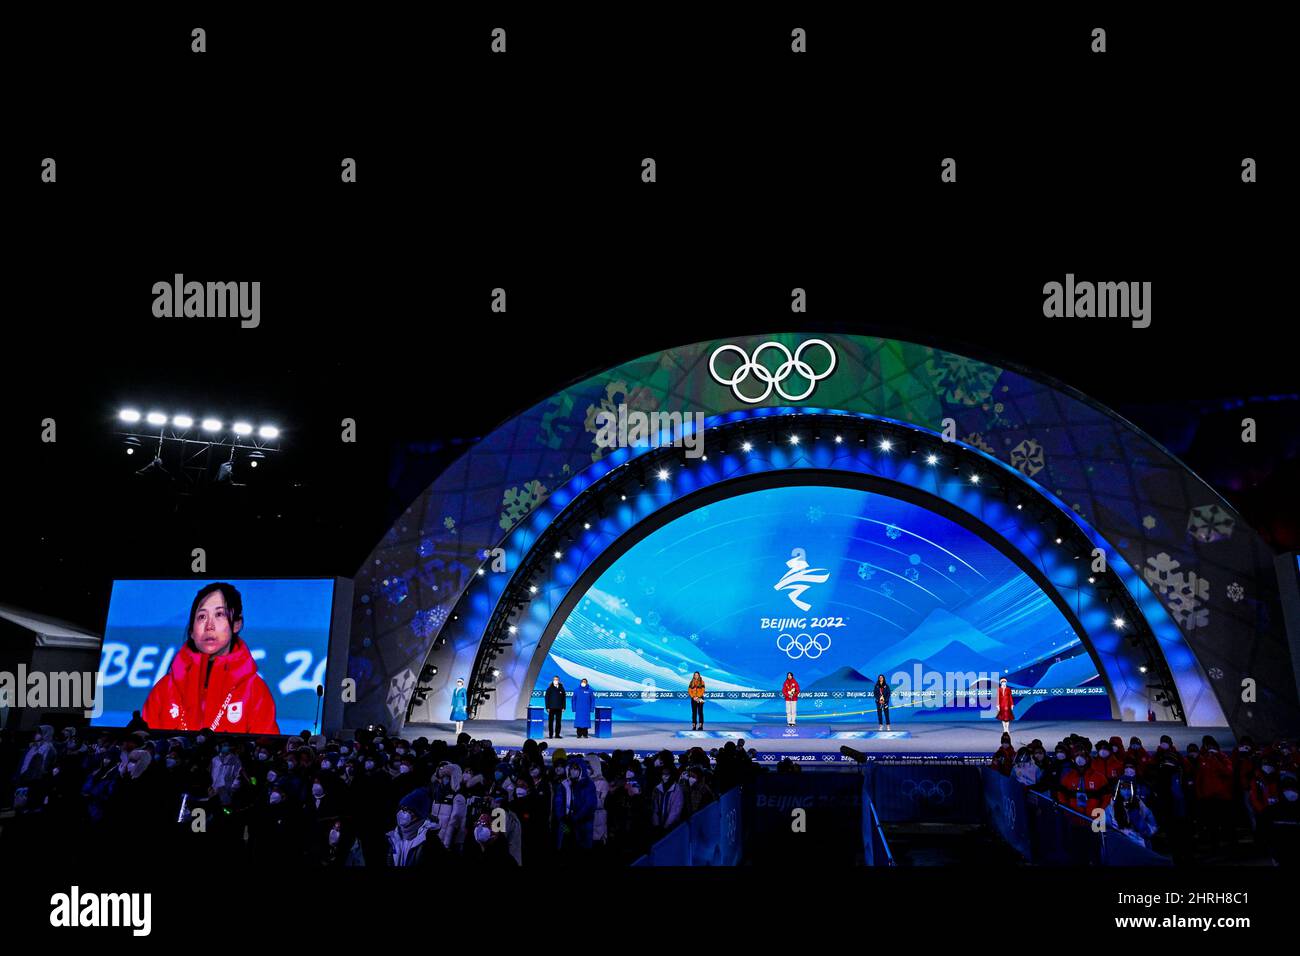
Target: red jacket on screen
(235,700)
(790,689)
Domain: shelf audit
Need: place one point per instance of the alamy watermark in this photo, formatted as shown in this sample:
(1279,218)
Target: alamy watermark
(53,690)
(630,428)
(1098,300)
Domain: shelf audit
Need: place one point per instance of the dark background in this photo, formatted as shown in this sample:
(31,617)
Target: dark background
(523,171)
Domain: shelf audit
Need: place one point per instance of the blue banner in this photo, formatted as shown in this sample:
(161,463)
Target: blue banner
(1004,803)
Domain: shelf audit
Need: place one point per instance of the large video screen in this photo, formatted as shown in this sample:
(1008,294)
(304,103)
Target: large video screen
(838,586)
(182,657)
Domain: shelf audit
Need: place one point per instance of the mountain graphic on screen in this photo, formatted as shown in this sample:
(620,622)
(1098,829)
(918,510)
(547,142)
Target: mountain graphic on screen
(943,641)
(844,677)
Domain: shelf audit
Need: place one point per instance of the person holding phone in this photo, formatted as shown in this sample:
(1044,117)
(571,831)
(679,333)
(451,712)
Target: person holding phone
(790,692)
(213,683)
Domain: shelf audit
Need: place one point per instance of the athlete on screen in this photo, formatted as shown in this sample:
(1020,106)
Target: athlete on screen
(213,682)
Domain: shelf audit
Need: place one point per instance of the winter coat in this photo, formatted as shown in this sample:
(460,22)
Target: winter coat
(1214,776)
(215,692)
(584,699)
(423,849)
(696,689)
(668,806)
(882,694)
(574,805)
(555,697)
(459,704)
(790,689)
(1091,783)
(1005,703)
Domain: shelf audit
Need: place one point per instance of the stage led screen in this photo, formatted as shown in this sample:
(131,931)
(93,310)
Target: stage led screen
(838,585)
(267,687)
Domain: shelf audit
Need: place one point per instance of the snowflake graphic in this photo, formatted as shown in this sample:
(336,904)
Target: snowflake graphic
(425,622)
(952,569)
(394,589)
(616,394)
(976,440)
(620,576)
(1149,522)
(695,638)
(912,575)
(399,692)
(518,503)
(1236,592)
(653,618)
(815,514)
(965,381)
(646,585)
(893,532)
(1184,592)
(1028,457)
(449,523)
(887,589)
(1210,523)
(1216,673)
(866,571)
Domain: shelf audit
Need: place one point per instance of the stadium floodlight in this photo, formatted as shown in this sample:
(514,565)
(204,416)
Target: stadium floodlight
(182,421)
(242,428)
(268,431)
(974,479)
(156,418)
(886,445)
(1119,623)
(932,459)
(211,425)
(129,415)
(663,474)
(746,447)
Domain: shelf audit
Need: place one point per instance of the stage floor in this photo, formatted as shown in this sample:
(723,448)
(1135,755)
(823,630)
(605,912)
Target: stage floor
(820,743)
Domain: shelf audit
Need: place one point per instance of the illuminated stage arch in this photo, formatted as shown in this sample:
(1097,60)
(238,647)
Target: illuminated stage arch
(1197,584)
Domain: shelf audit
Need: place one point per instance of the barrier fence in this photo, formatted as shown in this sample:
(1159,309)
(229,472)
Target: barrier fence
(712,836)
(1046,833)
(875,848)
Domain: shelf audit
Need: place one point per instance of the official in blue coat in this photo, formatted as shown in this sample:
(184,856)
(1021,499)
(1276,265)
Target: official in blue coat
(584,699)
(459,705)
(573,806)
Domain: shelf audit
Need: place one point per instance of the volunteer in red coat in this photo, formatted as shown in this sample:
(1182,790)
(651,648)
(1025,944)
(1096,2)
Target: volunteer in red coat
(790,692)
(1004,705)
(1084,786)
(213,682)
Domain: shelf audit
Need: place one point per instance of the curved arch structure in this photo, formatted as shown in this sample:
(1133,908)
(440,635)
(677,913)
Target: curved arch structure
(1197,586)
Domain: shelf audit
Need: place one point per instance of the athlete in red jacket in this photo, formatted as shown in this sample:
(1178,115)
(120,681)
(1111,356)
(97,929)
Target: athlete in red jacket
(790,691)
(213,682)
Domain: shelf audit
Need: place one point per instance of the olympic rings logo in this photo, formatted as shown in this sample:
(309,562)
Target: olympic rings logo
(772,380)
(803,645)
(927,791)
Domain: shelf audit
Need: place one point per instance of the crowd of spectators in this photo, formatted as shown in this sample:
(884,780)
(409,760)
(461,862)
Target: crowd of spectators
(1180,802)
(369,801)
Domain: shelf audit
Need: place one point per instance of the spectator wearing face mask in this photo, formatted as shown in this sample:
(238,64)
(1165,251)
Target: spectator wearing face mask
(574,808)
(1214,790)
(1265,788)
(1128,815)
(698,792)
(449,805)
(414,841)
(488,849)
(1108,761)
(599,822)
(533,809)
(224,768)
(1136,749)
(1243,763)
(1084,786)
(322,808)
(1005,756)
(667,802)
